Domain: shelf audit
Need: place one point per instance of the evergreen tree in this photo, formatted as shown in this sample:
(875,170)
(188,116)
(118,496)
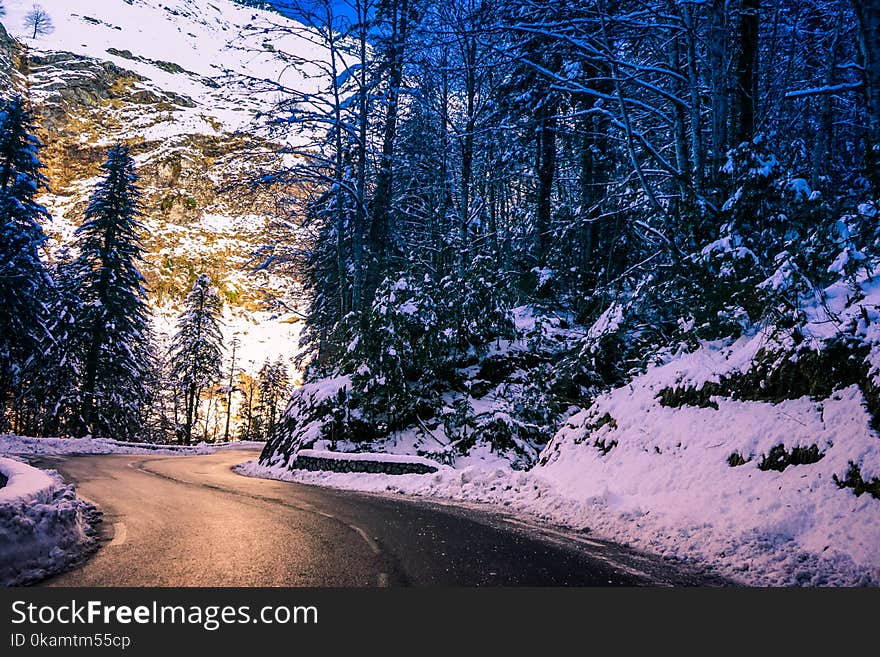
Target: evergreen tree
(196,352)
(395,362)
(274,387)
(55,375)
(24,282)
(119,359)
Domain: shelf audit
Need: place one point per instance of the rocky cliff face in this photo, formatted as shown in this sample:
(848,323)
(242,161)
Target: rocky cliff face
(9,58)
(193,133)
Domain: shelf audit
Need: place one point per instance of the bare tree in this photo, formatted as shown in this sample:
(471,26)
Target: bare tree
(39,20)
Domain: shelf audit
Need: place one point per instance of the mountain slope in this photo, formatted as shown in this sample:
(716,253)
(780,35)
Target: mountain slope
(184,84)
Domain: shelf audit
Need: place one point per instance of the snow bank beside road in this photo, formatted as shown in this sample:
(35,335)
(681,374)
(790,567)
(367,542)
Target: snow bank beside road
(24,446)
(637,472)
(763,551)
(23,483)
(694,482)
(43,525)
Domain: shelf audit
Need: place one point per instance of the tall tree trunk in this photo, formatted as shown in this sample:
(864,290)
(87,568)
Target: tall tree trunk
(746,91)
(868,13)
(338,165)
(696,123)
(822,147)
(467,147)
(440,224)
(379,233)
(229,393)
(718,59)
(546,169)
(680,132)
(190,409)
(357,247)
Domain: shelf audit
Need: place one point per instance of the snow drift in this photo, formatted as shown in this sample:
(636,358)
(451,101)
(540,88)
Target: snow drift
(28,446)
(44,526)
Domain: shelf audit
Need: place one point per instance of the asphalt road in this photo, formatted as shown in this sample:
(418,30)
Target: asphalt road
(191,521)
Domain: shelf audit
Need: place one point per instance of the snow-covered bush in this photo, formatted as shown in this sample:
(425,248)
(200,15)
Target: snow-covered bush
(396,359)
(317,411)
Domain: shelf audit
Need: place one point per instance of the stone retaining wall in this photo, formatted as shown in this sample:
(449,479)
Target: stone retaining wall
(345,465)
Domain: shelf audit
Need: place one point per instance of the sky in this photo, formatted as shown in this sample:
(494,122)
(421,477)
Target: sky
(287,7)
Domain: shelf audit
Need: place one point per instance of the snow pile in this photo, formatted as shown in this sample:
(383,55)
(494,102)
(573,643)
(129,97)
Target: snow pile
(25,446)
(43,525)
(668,472)
(24,483)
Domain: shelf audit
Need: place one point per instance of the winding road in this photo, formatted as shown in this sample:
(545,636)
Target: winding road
(191,521)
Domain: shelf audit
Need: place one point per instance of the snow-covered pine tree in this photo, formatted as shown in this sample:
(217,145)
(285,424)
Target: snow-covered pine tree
(396,359)
(119,358)
(196,352)
(24,281)
(55,374)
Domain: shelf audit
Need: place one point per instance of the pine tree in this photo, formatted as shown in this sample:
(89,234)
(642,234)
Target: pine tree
(24,282)
(196,352)
(55,374)
(274,385)
(119,358)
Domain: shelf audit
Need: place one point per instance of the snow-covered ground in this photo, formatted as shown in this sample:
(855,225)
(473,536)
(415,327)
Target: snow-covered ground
(23,482)
(662,478)
(44,526)
(24,446)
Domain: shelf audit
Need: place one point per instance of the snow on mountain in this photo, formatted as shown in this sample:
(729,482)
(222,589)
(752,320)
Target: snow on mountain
(184,83)
(214,53)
